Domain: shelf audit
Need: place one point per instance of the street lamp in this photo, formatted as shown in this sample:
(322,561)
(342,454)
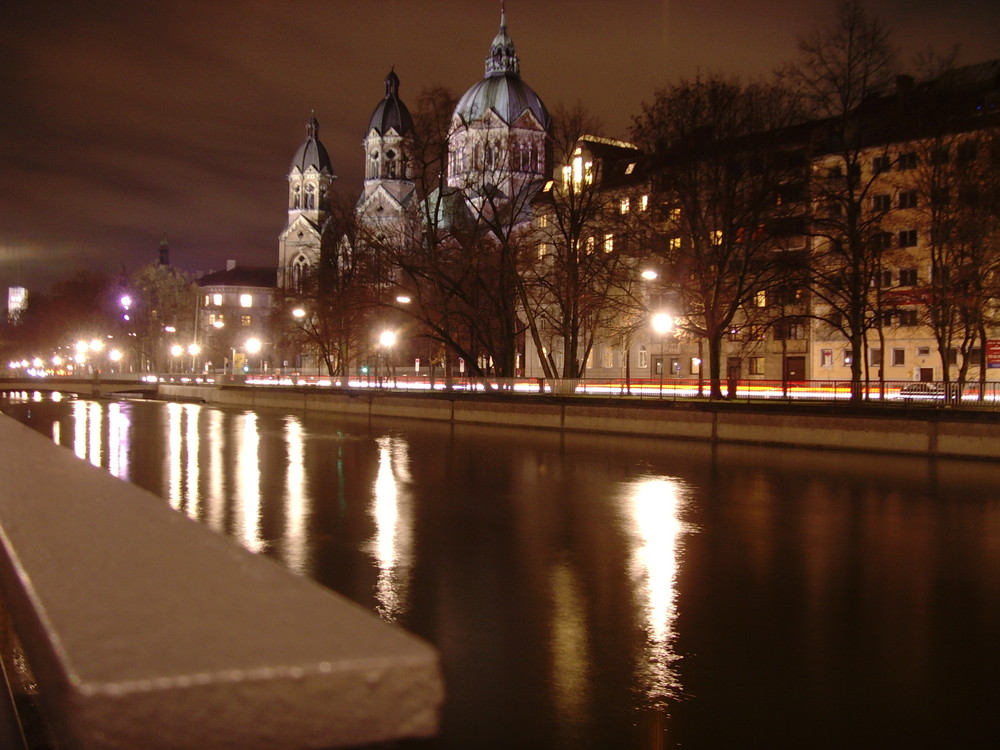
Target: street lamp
(253,346)
(662,325)
(387,339)
(175,351)
(194,350)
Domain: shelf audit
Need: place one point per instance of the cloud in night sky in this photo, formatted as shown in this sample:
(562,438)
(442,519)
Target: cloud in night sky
(124,120)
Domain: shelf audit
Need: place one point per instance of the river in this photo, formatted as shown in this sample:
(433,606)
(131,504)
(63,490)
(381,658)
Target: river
(590,592)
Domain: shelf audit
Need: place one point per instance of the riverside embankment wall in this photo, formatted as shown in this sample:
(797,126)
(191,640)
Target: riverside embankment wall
(917,431)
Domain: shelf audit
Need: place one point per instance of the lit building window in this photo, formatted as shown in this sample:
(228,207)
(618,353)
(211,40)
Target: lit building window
(609,242)
(245,321)
(625,205)
(760,299)
(716,237)
(643,358)
(216,299)
(246,300)
(644,203)
(675,243)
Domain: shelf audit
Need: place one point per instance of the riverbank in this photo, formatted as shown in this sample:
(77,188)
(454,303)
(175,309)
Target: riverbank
(868,428)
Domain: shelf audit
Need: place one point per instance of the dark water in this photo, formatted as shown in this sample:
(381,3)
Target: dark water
(612,593)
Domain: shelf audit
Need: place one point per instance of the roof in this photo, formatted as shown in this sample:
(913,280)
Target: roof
(391,113)
(256,276)
(502,89)
(312,153)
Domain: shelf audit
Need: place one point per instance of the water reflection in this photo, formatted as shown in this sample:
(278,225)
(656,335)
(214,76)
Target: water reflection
(215,497)
(246,497)
(295,546)
(393,541)
(653,507)
(119,439)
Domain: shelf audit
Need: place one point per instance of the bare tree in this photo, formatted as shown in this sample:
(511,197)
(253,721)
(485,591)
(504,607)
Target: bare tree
(573,280)
(841,69)
(328,314)
(727,173)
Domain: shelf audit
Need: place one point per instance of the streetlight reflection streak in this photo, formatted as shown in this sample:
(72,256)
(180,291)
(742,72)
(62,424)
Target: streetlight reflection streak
(296,544)
(247,494)
(654,511)
(393,543)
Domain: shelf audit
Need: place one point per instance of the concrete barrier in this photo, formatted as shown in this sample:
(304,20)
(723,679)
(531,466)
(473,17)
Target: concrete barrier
(145,629)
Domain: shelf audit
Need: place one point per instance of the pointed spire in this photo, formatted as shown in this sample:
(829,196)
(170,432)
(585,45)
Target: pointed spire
(164,251)
(312,126)
(502,58)
(392,84)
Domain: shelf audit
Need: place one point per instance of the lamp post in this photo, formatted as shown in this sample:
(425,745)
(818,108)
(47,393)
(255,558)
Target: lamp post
(253,346)
(387,339)
(175,351)
(662,324)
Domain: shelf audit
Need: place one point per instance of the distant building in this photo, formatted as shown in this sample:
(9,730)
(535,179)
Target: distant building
(234,311)
(17,303)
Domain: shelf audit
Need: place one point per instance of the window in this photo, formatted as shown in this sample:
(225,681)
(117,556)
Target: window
(755,333)
(875,357)
(609,242)
(886,279)
(246,300)
(923,351)
(756,365)
(590,245)
(217,300)
(940,156)
(908,199)
(881,203)
(675,367)
(644,203)
(881,164)
(786,330)
(907,161)
(715,236)
(848,357)
(908,238)
(826,358)
(695,366)
(674,243)
(882,240)
(898,357)
(907,317)
(208,300)
(966,152)
(245,321)
(624,206)
(734,334)
(760,299)
(643,358)
(907,276)
(609,356)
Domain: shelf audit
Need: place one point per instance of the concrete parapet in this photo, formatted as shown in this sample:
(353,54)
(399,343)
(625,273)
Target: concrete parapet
(147,630)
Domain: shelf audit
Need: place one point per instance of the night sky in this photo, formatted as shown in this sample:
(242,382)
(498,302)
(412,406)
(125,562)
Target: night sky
(122,120)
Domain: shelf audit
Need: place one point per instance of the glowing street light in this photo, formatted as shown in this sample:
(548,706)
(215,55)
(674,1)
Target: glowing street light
(662,325)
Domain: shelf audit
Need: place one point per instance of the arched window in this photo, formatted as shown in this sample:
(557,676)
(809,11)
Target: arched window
(533,164)
(390,164)
(296,199)
(643,357)
(299,270)
(310,197)
(488,156)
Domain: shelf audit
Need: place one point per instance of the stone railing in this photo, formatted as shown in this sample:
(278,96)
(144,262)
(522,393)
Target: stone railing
(144,629)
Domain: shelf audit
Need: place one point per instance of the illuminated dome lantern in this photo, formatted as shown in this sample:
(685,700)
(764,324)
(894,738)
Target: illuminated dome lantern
(499,128)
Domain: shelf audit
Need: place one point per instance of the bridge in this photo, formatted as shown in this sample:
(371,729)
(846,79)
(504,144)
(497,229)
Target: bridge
(92,387)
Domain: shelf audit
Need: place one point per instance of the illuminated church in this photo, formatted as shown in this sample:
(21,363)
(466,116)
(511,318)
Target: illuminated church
(497,150)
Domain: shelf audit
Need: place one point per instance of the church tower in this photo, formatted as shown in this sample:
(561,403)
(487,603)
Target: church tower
(499,131)
(388,197)
(309,180)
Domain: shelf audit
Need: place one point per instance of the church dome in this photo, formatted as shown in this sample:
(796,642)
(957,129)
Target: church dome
(502,89)
(312,153)
(391,113)
(507,95)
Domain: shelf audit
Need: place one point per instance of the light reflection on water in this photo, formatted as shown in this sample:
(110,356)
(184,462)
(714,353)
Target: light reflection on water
(246,495)
(393,541)
(653,506)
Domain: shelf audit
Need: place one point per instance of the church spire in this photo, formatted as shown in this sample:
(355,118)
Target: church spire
(503,57)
